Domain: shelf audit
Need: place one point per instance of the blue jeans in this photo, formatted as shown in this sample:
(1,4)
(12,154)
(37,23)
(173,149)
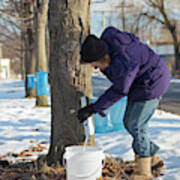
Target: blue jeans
(136,120)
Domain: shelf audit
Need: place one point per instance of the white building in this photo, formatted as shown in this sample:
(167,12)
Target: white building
(109,13)
(104,13)
(164,50)
(4,68)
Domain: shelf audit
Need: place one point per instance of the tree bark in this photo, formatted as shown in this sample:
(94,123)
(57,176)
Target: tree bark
(41,10)
(31,64)
(68,27)
(176,45)
(28,42)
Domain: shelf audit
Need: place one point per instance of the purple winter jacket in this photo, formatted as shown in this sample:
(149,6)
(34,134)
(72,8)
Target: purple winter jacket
(135,70)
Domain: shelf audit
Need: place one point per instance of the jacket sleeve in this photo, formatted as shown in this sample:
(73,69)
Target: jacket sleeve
(120,88)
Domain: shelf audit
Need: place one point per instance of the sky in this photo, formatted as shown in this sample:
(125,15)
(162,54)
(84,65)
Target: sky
(23,127)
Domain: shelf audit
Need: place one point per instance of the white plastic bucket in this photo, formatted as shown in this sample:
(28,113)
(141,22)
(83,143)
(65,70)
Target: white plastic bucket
(83,164)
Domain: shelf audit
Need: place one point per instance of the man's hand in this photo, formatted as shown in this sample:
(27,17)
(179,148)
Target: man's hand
(85,112)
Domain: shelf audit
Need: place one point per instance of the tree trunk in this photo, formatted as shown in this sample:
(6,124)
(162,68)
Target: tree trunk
(68,26)
(41,58)
(31,60)
(28,45)
(24,37)
(169,24)
(176,51)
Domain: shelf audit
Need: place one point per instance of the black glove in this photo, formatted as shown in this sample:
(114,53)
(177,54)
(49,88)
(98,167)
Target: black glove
(85,112)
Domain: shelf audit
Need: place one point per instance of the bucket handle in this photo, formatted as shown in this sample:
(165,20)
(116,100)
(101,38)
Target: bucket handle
(87,175)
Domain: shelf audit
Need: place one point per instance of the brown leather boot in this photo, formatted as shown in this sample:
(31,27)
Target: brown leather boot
(144,170)
(136,157)
(157,163)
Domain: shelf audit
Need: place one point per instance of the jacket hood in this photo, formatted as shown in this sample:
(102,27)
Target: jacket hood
(117,40)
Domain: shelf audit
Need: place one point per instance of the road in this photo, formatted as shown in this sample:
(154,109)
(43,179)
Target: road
(171,100)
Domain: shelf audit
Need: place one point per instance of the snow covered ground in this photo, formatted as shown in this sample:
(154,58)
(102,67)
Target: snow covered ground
(22,126)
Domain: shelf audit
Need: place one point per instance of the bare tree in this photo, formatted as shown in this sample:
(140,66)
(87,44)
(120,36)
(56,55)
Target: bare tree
(9,30)
(16,26)
(131,18)
(68,26)
(159,10)
(28,42)
(33,20)
(41,10)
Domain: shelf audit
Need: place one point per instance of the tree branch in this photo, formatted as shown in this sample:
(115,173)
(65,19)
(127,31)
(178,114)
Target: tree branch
(11,46)
(16,50)
(16,17)
(153,4)
(153,18)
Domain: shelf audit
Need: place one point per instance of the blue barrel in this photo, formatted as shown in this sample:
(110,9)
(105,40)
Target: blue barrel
(114,117)
(30,81)
(42,86)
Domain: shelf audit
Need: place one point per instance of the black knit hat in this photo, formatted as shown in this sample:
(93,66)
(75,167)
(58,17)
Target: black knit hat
(93,49)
